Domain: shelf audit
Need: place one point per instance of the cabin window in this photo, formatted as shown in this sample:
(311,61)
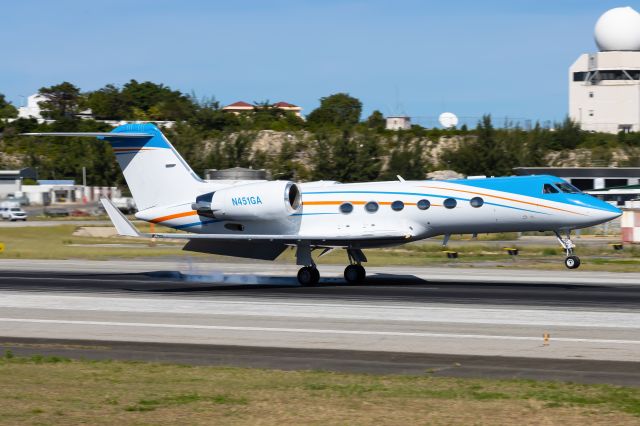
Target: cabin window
(397,206)
(476,202)
(549,189)
(346,208)
(450,203)
(423,204)
(567,188)
(371,207)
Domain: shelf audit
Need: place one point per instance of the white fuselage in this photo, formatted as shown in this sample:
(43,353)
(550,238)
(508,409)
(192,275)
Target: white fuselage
(320,212)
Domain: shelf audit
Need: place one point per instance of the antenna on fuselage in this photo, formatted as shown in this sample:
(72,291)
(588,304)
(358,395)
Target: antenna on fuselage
(400,178)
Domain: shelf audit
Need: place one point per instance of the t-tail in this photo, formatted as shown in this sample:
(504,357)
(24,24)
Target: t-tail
(155,173)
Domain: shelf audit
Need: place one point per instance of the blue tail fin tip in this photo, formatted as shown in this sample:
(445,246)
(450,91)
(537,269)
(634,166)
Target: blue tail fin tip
(156,141)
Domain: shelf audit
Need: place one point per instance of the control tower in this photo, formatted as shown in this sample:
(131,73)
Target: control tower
(604,87)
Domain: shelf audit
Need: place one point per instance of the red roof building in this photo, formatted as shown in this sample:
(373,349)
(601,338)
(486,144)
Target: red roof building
(243,107)
(238,107)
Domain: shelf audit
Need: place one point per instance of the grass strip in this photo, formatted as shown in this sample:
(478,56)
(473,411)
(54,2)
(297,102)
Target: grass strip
(55,390)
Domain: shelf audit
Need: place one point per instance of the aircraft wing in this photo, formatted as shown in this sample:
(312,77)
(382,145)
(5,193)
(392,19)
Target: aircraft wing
(126,228)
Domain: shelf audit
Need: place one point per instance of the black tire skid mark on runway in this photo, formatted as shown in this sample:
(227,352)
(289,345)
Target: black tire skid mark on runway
(379,287)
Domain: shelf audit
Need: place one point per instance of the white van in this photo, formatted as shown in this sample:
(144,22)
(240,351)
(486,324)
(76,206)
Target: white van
(11,210)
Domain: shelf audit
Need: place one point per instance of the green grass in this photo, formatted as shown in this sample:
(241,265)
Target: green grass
(42,390)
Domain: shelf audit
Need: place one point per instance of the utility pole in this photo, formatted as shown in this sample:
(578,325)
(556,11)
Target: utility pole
(84,184)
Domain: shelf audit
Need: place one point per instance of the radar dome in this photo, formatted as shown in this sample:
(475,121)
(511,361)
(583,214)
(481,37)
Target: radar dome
(618,29)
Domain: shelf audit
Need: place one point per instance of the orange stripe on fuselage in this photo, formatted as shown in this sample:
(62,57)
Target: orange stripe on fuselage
(173,216)
(502,198)
(332,203)
(357,203)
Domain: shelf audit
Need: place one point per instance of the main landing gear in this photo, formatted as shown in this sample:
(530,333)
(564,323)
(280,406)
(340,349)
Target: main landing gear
(309,275)
(571,261)
(355,272)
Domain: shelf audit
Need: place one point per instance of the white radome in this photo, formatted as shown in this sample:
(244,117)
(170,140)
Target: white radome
(448,120)
(618,29)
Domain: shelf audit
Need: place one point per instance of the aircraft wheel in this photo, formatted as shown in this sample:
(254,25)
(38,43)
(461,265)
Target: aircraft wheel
(308,276)
(354,273)
(572,262)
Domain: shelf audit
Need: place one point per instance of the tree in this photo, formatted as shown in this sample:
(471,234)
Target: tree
(157,101)
(567,135)
(487,155)
(62,100)
(376,121)
(108,103)
(339,110)
(323,167)
(367,159)
(407,159)
(6,109)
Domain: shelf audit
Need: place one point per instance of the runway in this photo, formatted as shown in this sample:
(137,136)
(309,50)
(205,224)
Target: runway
(403,319)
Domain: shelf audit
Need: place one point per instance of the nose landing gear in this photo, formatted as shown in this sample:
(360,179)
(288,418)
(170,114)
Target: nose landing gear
(571,261)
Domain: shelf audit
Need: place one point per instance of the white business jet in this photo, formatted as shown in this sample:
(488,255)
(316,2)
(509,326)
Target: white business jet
(260,219)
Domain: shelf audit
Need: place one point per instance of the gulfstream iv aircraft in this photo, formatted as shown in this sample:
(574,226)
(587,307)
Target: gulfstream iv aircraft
(260,219)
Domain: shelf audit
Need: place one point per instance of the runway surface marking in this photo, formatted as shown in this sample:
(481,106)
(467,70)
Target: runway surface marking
(323,310)
(311,330)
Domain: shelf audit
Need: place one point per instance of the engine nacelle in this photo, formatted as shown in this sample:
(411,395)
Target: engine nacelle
(274,200)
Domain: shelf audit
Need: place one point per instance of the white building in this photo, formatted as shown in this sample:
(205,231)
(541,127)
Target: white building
(604,87)
(32,109)
(399,122)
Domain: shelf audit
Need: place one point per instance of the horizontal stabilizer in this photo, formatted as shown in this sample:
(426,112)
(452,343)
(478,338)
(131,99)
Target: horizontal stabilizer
(122,224)
(93,134)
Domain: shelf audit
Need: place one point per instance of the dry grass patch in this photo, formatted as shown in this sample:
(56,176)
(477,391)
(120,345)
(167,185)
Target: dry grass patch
(52,390)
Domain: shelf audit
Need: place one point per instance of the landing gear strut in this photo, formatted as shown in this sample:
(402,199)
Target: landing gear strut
(571,261)
(308,275)
(355,272)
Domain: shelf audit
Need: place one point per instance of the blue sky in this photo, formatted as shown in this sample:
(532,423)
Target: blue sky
(507,58)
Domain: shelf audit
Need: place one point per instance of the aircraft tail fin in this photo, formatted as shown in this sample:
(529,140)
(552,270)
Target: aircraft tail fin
(155,173)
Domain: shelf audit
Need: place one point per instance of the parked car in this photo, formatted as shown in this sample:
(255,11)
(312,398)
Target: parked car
(13,214)
(55,212)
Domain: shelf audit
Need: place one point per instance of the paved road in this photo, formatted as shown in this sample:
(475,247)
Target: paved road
(47,223)
(428,317)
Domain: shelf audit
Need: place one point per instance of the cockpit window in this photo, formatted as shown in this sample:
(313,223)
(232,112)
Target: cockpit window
(567,188)
(549,189)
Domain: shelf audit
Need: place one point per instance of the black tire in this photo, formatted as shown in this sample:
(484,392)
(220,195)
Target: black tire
(316,275)
(308,276)
(362,272)
(572,262)
(354,274)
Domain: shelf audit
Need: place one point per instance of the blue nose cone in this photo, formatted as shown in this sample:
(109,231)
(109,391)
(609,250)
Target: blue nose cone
(609,212)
